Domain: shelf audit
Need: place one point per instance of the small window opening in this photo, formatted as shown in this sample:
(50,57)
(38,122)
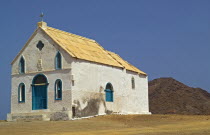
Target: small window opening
(58,63)
(21,93)
(40,45)
(22,66)
(133,83)
(58,90)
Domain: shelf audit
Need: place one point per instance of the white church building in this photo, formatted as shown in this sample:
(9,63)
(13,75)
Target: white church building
(59,76)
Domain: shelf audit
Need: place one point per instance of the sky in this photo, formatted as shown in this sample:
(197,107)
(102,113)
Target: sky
(164,38)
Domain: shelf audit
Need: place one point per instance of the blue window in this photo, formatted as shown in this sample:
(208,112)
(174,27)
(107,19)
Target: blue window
(58,90)
(109,92)
(58,61)
(21,93)
(22,65)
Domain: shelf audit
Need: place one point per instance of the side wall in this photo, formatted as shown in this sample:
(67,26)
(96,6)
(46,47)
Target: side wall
(88,94)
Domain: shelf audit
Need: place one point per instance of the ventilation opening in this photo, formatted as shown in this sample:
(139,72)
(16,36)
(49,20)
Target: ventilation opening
(40,45)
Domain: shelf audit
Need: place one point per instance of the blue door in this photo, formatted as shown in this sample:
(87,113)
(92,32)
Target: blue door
(109,92)
(39,92)
(109,95)
(39,100)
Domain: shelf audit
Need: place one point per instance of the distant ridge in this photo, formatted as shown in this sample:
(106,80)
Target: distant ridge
(169,96)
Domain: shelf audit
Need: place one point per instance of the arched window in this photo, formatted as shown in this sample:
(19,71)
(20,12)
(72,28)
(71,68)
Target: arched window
(22,65)
(109,92)
(21,93)
(133,82)
(58,90)
(58,61)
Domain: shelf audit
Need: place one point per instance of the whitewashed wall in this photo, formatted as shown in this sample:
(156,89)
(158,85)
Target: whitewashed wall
(90,82)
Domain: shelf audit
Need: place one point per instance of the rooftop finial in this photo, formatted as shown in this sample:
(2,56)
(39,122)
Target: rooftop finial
(42,24)
(42,16)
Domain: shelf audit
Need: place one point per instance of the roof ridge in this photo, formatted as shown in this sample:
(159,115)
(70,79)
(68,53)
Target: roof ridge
(114,58)
(72,54)
(123,59)
(109,54)
(132,66)
(68,33)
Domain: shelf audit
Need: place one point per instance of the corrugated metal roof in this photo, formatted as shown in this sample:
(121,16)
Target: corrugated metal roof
(87,49)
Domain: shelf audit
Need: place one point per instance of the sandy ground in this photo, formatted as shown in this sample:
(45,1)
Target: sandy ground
(114,124)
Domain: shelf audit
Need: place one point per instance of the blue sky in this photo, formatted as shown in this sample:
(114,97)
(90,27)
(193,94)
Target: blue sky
(164,38)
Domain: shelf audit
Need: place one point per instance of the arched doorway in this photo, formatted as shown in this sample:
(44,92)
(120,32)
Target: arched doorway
(109,92)
(39,92)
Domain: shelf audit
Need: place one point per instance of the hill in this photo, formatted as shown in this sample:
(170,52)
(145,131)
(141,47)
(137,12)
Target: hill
(169,96)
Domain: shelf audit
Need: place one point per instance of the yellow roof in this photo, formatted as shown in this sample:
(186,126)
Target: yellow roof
(125,64)
(87,49)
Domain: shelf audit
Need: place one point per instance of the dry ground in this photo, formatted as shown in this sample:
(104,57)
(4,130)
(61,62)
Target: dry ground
(114,124)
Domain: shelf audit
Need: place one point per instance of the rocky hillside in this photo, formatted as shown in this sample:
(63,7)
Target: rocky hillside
(169,96)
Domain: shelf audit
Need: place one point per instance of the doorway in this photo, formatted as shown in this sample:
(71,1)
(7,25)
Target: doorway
(39,92)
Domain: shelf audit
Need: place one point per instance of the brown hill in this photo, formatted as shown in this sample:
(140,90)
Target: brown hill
(169,96)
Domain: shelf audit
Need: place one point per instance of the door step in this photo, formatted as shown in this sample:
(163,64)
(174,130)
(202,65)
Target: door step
(40,116)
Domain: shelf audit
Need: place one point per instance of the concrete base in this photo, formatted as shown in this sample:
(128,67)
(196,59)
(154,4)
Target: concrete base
(40,116)
(54,116)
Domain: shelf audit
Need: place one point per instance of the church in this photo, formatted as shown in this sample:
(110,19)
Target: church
(60,76)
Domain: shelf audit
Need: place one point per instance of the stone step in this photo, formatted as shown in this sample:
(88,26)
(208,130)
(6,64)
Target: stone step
(40,116)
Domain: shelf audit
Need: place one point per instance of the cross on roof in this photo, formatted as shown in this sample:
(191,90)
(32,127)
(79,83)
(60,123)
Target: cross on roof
(42,16)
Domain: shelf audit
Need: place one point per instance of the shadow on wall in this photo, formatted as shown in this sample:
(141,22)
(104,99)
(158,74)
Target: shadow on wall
(94,104)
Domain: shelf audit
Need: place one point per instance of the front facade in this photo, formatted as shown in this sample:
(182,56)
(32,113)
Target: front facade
(59,75)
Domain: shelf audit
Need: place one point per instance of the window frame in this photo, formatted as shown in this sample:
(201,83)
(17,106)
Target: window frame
(133,86)
(109,93)
(57,59)
(21,92)
(22,68)
(56,89)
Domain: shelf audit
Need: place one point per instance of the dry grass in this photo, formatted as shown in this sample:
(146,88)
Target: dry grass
(114,124)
